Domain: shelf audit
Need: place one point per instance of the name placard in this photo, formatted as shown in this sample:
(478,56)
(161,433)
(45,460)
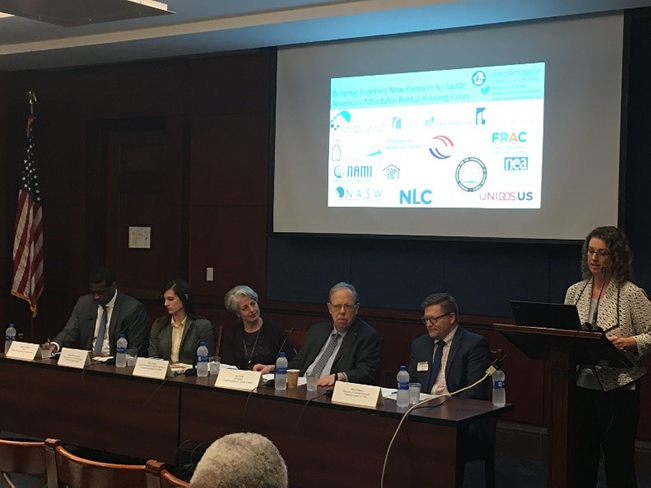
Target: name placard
(157,369)
(74,358)
(237,379)
(23,351)
(365,396)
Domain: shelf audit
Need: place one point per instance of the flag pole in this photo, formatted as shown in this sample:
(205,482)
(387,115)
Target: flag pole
(31,97)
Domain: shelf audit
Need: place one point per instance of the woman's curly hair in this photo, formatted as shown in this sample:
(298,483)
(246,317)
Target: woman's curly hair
(619,252)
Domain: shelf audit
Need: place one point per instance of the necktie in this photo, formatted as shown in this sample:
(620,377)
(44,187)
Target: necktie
(100,333)
(436,365)
(318,367)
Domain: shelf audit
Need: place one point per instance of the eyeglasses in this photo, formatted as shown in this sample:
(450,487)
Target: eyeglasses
(433,320)
(347,307)
(602,253)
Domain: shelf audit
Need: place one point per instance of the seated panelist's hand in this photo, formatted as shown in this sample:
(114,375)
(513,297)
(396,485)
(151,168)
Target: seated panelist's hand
(326,380)
(50,345)
(263,368)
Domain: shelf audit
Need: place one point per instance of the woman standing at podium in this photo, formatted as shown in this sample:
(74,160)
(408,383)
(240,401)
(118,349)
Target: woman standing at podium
(608,399)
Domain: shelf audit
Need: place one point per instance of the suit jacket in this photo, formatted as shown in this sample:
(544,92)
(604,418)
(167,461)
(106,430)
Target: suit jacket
(468,360)
(358,356)
(129,317)
(195,331)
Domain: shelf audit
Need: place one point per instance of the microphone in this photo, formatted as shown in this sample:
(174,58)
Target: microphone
(291,331)
(596,308)
(272,380)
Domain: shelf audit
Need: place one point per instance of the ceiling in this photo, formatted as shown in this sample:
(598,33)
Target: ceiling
(210,26)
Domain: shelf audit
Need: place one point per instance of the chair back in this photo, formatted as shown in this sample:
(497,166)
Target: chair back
(218,339)
(22,457)
(159,477)
(64,469)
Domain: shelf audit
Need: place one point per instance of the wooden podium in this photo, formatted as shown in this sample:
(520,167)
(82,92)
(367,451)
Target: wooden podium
(564,349)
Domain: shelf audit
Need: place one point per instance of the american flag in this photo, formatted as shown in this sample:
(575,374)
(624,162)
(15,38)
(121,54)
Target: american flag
(28,238)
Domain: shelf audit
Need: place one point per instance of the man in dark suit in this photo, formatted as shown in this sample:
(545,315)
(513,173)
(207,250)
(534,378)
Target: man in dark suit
(448,357)
(104,314)
(344,349)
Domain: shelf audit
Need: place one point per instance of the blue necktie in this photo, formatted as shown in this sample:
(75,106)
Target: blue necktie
(100,333)
(436,365)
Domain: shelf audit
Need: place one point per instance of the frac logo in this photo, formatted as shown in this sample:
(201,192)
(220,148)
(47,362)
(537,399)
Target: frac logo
(415,197)
(506,137)
(506,196)
(516,164)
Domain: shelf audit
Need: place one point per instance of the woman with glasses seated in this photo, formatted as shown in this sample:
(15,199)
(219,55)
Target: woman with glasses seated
(253,339)
(608,399)
(176,335)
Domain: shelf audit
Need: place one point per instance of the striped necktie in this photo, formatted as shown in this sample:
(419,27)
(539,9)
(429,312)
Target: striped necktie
(318,367)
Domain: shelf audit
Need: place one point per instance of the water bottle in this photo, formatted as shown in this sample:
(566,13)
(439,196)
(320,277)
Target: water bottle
(10,336)
(499,391)
(121,352)
(403,387)
(202,360)
(281,372)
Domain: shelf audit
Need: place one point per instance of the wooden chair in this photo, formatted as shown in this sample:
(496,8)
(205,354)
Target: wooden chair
(22,458)
(64,469)
(159,477)
(218,339)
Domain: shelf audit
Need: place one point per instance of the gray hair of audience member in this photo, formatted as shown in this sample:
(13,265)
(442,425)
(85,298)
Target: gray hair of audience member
(241,460)
(447,302)
(235,294)
(342,285)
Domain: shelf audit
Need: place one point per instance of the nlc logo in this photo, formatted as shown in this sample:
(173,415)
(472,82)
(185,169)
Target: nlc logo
(506,137)
(415,197)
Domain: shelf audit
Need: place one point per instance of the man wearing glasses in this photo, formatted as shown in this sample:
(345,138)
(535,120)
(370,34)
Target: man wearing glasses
(344,349)
(448,357)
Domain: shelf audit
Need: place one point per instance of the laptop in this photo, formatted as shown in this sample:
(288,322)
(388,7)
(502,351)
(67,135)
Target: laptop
(552,315)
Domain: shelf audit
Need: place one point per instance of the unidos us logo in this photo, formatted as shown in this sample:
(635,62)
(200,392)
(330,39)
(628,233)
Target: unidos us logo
(441,147)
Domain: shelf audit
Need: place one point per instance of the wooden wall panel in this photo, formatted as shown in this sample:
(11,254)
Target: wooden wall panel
(230,160)
(142,89)
(232,240)
(233,84)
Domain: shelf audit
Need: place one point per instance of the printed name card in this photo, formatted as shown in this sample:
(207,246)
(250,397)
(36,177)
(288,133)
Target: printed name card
(23,351)
(365,396)
(74,358)
(157,369)
(237,379)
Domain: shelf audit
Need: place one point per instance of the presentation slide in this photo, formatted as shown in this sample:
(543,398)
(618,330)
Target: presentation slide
(496,132)
(422,140)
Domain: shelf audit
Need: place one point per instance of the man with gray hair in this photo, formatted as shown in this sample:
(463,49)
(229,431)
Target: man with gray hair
(344,349)
(238,460)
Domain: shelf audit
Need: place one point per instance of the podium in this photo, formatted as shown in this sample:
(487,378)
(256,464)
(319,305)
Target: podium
(564,349)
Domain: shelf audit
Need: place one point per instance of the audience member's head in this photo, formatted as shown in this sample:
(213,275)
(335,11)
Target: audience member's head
(241,460)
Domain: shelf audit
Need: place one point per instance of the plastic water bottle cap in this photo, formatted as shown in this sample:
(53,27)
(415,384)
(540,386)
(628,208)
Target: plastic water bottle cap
(282,355)
(122,336)
(202,343)
(403,367)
